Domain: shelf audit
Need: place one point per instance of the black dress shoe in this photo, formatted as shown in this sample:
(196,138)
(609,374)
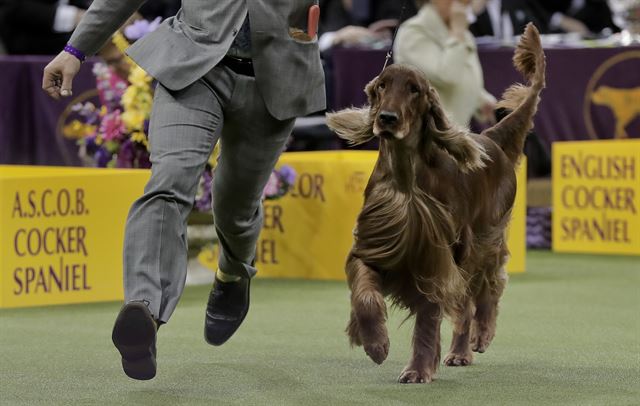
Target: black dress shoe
(227,307)
(134,335)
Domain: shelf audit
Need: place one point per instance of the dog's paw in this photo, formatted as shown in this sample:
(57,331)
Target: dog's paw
(377,351)
(458,360)
(414,376)
(480,343)
(480,339)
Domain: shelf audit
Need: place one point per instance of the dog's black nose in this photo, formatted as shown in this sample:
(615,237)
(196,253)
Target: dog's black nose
(387,117)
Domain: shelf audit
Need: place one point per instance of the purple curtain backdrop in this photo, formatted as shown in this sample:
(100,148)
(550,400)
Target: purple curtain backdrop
(566,111)
(28,117)
(576,78)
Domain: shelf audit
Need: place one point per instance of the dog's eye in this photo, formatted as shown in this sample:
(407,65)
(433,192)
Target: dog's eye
(415,89)
(381,86)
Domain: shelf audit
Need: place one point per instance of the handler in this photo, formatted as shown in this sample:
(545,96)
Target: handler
(238,71)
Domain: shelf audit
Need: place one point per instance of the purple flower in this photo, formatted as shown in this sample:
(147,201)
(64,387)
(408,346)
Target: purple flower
(85,110)
(93,118)
(102,157)
(203,200)
(90,145)
(140,28)
(125,155)
(287,174)
(142,157)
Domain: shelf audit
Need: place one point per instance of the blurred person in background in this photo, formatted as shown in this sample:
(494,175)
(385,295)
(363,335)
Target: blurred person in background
(438,42)
(584,17)
(39,27)
(505,19)
(360,22)
(357,22)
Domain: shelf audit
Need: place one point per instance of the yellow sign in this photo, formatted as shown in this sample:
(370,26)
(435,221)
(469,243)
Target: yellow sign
(309,232)
(596,197)
(61,233)
(517,231)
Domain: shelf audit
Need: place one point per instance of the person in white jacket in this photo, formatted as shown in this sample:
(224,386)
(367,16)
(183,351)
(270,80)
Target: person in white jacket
(438,42)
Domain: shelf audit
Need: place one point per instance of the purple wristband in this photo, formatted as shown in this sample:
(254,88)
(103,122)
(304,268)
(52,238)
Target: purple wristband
(75,52)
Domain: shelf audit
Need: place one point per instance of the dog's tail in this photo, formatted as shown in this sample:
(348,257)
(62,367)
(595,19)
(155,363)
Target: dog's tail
(520,100)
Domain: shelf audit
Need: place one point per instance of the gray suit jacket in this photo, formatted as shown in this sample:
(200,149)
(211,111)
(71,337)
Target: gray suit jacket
(185,47)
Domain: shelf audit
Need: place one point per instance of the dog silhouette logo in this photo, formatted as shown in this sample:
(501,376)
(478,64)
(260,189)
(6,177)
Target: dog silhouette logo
(624,103)
(612,98)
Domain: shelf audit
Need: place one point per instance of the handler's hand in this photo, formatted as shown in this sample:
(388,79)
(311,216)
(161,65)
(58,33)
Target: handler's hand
(351,35)
(58,75)
(486,113)
(458,19)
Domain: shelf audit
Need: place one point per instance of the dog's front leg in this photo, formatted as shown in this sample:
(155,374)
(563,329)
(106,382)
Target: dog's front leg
(426,345)
(460,353)
(368,310)
(483,327)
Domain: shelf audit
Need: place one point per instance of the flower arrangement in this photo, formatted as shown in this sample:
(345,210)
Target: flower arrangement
(279,184)
(115,134)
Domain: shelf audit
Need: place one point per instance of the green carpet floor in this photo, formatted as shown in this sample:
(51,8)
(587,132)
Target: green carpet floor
(568,334)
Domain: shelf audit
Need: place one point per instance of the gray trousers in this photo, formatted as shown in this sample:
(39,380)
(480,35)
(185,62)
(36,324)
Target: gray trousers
(185,126)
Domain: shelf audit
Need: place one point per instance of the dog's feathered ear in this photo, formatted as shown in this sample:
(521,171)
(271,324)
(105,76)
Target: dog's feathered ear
(468,153)
(353,125)
(370,90)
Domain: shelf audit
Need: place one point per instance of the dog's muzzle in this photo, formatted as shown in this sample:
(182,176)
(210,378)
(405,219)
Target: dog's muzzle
(386,125)
(388,118)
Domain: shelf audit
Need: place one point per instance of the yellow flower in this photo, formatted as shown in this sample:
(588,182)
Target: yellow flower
(138,77)
(144,102)
(98,140)
(77,130)
(139,136)
(89,129)
(120,41)
(128,100)
(133,119)
(103,111)
(213,158)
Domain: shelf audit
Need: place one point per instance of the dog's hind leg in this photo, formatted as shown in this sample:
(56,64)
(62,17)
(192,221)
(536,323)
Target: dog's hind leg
(483,327)
(368,310)
(460,352)
(426,344)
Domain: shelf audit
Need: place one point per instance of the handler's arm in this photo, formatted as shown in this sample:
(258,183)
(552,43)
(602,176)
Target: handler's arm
(100,21)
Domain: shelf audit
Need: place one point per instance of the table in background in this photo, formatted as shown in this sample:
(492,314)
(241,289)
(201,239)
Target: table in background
(567,111)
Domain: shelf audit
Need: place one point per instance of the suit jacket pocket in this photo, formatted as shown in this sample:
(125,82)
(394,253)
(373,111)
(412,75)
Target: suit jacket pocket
(298,20)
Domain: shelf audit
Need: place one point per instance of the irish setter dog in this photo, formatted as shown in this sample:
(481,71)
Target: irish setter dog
(431,234)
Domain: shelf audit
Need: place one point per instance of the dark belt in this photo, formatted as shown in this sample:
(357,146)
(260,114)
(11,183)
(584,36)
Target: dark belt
(241,66)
